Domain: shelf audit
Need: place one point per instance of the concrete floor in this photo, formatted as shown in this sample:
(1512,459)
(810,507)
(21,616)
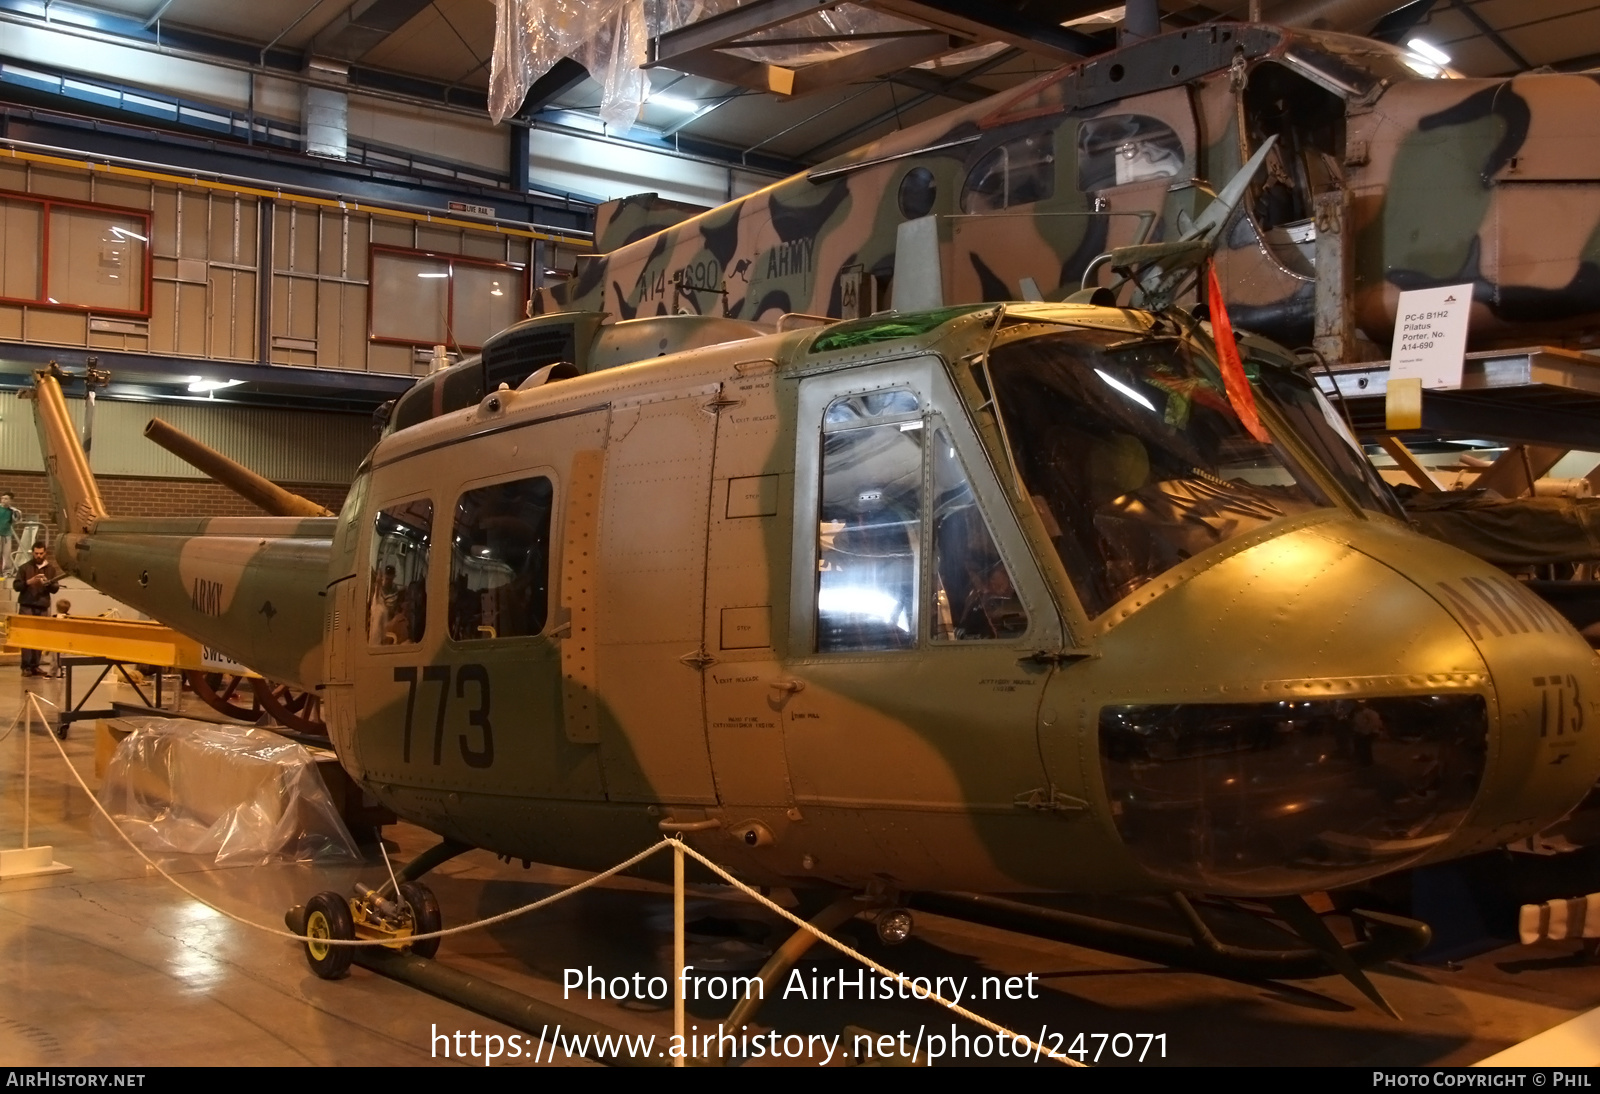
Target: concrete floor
(109,965)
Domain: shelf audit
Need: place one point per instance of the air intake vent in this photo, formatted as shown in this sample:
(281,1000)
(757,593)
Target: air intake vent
(514,355)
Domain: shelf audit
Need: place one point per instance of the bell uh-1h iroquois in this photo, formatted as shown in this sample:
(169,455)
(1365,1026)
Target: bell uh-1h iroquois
(991,599)
(1419,181)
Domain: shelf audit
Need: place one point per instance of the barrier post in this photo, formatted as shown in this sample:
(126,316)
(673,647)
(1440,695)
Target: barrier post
(677,950)
(27,860)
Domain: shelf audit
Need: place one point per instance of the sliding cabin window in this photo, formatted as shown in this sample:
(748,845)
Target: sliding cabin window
(1019,172)
(1119,149)
(500,561)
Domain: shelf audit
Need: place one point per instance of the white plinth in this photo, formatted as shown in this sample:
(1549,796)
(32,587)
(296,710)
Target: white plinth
(30,862)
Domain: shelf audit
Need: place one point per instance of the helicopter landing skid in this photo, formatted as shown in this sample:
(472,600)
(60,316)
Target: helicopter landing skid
(1385,937)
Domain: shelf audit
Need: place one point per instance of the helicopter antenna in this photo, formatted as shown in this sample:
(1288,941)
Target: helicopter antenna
(1160,272)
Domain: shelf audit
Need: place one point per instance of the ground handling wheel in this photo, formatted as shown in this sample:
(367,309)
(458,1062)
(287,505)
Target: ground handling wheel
(425,916)
(328,917)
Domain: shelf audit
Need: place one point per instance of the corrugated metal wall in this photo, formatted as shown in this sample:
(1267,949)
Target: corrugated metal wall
(283,445)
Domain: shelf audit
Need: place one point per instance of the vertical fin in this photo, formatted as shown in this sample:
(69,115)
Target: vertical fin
(72,484)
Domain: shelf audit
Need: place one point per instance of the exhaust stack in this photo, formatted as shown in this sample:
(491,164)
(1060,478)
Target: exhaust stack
(236,477)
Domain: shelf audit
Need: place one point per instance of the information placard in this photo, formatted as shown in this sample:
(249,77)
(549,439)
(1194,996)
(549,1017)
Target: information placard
(1430,335)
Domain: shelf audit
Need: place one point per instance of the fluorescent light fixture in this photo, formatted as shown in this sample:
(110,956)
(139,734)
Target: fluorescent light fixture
(201,387)
(1420,66)
(129,235)
(673,102)
(1428,50)
(1125,389)
(433,275)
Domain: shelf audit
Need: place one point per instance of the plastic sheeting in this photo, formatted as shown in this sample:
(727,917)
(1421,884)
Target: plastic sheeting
(611,39)
(238,793)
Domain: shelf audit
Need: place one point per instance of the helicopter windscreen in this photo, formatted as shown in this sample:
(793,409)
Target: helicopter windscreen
(1133,457)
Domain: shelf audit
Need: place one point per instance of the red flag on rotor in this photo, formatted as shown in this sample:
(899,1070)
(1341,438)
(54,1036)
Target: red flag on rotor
(1240,396)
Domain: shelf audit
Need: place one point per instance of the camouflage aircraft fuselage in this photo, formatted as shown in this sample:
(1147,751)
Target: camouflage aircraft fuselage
(985,599)
(1492,182)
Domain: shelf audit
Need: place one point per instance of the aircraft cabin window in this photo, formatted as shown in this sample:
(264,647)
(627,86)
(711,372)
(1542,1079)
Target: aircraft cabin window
(397,596)
(1017,173)
(869,523)
(1122,148)
(973,595)
(500,561)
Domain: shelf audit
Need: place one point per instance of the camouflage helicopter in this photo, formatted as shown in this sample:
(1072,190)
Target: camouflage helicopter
(1430,181)
(988,599)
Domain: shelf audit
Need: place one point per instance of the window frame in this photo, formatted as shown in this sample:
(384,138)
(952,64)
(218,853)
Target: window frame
(46,205)
(370,561)
(1081,155)
(926,376)
(553,607)
(519,272)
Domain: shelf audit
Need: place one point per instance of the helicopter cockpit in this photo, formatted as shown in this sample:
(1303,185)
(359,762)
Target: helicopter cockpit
(1136,462)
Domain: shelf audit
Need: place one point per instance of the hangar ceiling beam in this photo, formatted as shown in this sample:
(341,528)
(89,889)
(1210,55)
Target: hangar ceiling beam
(362,27)
(701,47)
(889,115)
(1493,35)
(921,80)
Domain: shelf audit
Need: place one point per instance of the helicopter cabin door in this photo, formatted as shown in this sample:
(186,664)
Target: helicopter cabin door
(745,562)
(915,606)
(650,598)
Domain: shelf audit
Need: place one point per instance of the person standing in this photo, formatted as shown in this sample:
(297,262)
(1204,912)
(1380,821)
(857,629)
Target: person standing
(36,582)
(10,518)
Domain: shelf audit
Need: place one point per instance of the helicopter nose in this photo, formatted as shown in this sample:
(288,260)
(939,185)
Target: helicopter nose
(1336,706)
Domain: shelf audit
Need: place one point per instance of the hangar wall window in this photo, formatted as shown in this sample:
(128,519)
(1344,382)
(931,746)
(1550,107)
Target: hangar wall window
(973,594)
(869,523)
(500,561)
(74,255)
(397,594)
(430,299)
(1122,148)
(1016,173)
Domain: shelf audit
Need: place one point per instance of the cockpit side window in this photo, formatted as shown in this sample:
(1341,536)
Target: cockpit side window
(973,594)
(1118,149)
(397,590)
(869,522)
(500,561)
(1018,172)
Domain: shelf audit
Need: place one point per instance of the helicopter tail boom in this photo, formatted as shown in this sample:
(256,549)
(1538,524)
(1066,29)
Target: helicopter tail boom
(248,588)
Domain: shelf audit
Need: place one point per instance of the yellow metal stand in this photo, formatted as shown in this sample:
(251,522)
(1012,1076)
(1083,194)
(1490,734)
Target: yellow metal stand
(122,640)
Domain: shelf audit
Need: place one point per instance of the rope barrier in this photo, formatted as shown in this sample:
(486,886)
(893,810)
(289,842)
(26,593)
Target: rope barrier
(279,932)
(1038,1050)
(671,842)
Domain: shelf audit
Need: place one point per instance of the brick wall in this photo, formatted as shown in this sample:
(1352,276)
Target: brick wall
(128,497)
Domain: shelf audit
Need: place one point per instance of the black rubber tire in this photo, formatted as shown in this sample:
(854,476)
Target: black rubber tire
(328,916)
(425,916)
